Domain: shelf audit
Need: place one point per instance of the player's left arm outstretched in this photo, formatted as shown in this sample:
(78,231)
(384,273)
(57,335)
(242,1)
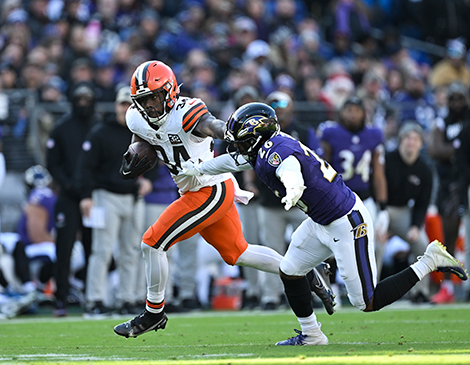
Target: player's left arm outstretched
(209,126)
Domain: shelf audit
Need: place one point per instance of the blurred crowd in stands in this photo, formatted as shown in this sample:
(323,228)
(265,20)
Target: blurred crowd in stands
(398,56)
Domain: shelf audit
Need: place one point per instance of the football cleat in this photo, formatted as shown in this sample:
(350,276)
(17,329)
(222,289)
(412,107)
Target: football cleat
(438,259)
(320,287)
(141,324)
(305,340)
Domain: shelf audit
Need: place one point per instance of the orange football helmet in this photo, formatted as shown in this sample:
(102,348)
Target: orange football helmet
(154,79)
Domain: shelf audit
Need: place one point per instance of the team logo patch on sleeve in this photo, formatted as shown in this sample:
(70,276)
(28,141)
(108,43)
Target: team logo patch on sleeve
(274,159)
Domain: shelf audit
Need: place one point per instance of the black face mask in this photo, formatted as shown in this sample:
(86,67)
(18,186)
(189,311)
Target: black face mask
(84,112)
(83,101)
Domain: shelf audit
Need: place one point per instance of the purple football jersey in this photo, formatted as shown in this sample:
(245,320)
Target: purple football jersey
(351,153)
(326,197)
(164,188)
(44,197)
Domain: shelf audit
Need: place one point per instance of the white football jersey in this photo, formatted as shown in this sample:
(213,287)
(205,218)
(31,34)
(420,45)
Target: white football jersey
(174,142)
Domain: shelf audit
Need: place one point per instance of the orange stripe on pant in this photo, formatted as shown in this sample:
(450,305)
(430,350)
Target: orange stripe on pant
(210,212)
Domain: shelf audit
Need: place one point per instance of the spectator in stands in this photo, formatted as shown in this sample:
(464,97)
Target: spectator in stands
(395,81)
(244,32)
(285,14)
(336,90)
(283,51)
(445,140)
(440,101)
(81,70)
(76,49)
(32,76)
(311,87)
(409,186)
(63,149)
(256,10)
(105,85)
(190,33)
(38,18)
(453,67)
(258,52)
(148,35)
(8,76)
(349,19)
(415,102)
(374,97)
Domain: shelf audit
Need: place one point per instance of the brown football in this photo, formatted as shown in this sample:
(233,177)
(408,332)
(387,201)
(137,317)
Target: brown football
(143,148)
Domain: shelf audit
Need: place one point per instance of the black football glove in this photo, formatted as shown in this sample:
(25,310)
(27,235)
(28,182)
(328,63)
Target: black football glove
(132,168)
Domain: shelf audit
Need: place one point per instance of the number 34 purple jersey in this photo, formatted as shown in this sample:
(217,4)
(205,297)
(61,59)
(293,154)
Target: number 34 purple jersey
(326,197)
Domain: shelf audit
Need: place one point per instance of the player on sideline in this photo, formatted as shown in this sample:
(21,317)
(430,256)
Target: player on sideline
(181,128)
(338,222)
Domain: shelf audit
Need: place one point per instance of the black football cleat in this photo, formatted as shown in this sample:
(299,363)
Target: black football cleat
(320,287)
(141,324)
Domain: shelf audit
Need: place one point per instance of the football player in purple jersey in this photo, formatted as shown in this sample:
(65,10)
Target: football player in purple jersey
(356,151)
(338,223)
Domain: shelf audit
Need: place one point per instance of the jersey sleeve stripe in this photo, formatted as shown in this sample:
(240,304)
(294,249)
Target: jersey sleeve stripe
(192,111)
(193,115)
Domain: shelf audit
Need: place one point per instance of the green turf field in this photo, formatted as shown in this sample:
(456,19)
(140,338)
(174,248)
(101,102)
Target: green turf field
(419,335)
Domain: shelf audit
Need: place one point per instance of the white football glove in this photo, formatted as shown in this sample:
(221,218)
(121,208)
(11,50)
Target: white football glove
(382,222)
(190,168)
(292,196)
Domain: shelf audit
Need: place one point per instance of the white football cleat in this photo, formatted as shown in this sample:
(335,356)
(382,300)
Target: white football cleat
(438,259)
(301,339)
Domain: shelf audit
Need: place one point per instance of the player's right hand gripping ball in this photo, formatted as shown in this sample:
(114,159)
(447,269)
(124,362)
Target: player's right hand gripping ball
(139,158)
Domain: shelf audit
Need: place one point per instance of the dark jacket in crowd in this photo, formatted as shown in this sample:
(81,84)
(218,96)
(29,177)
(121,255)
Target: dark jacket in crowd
(408,182)
(100,159)
(64,146)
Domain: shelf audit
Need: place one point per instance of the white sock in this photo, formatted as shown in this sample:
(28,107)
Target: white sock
(156,271)
(309,325)
(421,268)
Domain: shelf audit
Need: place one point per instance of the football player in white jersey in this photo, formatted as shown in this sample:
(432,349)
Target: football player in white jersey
(181,128)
